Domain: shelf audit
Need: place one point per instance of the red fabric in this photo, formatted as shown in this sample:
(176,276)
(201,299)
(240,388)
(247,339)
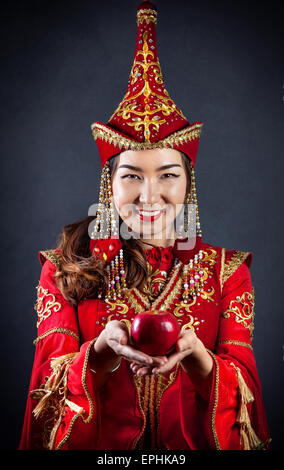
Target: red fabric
(113,417)
(106,248)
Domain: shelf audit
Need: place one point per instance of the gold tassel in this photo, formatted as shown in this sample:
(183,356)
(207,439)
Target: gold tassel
(53,395)
(55,384)
(249,439)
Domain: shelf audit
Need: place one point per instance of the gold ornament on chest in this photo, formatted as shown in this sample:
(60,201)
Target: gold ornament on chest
(180,292)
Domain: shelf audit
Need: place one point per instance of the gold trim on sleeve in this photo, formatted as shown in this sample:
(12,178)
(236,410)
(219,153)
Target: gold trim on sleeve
(216,393)
(53,256)
(236,343)
(231,266)
(91,404)
(56,330)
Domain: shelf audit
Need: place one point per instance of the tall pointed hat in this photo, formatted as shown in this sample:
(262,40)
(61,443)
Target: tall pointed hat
(147,117)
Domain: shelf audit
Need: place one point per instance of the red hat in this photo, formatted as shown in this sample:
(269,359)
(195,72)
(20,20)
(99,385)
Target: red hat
(146,118)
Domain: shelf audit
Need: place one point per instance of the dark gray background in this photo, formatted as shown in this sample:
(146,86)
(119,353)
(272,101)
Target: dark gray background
(66,64)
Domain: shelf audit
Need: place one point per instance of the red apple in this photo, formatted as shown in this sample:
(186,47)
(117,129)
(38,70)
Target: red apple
(155,332)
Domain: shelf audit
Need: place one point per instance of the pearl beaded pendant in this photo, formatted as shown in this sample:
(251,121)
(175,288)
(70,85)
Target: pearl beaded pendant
(194,276)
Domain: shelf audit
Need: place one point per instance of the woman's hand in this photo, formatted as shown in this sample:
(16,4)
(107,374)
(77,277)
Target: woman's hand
(114,343)
(189,351)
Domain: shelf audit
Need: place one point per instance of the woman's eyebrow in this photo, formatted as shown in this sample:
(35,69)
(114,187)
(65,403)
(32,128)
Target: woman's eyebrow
(136,168)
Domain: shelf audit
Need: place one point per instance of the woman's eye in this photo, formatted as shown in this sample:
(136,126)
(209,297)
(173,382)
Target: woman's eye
(170,175)
(130,176)
(165,175)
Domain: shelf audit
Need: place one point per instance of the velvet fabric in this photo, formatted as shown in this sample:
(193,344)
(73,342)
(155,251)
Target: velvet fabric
(164,412)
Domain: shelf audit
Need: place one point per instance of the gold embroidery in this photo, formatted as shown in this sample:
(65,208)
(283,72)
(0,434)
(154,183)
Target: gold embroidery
(91,404)
(185,135)
(216,392)
(127,322)
(46,304)
(209,257)
(147,15)
(242,310)
(53,256)
(187,306)
(162,104)
(142,388)
(193,322)
(134,303)
(150,391)
(231,266)
(56,330)
(75,417)
(169,301)
(149,288)
(223,253)
(117,305)
(169,298)
(236,343)
(161,302)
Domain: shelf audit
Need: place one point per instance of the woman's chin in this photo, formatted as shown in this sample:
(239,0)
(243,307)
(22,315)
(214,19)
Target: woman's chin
(144,230)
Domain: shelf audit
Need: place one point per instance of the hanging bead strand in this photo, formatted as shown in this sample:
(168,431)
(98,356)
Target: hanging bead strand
(194,198)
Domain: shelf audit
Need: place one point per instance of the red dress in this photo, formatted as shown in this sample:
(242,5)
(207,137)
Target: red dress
(153,412)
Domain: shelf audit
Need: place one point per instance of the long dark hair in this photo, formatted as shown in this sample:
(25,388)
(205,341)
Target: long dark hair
(82,276)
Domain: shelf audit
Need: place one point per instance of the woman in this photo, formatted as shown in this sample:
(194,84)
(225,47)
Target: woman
(90,387)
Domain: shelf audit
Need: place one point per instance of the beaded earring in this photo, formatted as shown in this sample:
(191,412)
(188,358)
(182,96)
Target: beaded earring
(191,212)
(193,273)
(105,223)
(194,201)
(105,243)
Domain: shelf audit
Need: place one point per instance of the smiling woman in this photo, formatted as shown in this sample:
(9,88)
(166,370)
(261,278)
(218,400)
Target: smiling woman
(141,179)
(81,276)
(142,252)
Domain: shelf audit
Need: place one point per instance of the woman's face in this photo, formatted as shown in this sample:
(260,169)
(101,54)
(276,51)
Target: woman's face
(149,187)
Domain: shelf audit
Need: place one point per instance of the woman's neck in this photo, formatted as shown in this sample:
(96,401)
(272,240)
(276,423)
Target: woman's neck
(167,238)
(158,242)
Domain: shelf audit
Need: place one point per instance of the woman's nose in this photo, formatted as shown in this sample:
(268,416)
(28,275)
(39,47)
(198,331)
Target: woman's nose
(150,193)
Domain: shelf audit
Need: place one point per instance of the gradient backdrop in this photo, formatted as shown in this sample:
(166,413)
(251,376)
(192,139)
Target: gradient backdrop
(66,64)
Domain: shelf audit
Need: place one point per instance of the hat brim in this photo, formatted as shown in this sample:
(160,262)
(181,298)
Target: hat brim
(110,142)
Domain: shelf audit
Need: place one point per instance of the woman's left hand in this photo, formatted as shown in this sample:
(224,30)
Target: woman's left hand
(186,345)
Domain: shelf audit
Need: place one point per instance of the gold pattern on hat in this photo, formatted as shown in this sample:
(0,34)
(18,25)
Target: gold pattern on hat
(148,15)
(103,132)
(129,107)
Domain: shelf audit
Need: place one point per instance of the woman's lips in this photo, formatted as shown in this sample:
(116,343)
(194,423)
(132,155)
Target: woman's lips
(150,216)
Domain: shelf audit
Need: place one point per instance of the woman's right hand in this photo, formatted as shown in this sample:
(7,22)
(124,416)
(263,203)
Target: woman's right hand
(114,343)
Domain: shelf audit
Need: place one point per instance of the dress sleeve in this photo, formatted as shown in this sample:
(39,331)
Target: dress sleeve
(236,416)
(61,388)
